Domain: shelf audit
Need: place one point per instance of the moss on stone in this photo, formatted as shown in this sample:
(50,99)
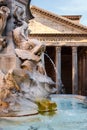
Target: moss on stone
(46,105)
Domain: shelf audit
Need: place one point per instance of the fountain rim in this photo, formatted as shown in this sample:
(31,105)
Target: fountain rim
(36,112)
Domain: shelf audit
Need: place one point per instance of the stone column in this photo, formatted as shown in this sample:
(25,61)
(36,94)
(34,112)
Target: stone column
(74,71)
(84,74)
(58,69)
(80,75)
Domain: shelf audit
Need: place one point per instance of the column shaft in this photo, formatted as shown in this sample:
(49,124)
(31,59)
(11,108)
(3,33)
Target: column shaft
(58,67)
(74,71)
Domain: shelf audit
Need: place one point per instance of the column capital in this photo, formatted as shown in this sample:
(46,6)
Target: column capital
(74,49)
(58,49)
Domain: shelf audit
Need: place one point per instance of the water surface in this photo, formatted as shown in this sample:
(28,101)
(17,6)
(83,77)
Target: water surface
(71,114)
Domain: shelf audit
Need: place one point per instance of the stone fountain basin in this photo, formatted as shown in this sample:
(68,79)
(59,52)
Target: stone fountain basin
(70,108)
(30,110)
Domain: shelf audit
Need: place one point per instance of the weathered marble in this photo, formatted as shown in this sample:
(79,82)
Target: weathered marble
(22,73)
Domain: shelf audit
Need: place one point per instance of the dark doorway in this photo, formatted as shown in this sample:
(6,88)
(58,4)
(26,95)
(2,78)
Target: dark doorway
(82,69)
(66,69)
(50,67)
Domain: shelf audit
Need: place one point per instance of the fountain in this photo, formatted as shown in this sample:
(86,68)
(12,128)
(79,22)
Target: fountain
(24,87)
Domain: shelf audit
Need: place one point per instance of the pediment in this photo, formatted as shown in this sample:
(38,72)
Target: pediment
(40,28)
(46,22)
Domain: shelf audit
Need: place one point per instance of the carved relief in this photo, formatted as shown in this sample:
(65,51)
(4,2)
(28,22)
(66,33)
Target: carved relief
(4,12)
(20,35)
(21,82)
(18,15)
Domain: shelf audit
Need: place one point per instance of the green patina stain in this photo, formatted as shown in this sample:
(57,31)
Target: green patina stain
(46,107)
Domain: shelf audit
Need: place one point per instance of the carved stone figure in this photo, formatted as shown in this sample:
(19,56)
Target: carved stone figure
(20,35)
(4,12)
(33,51)
(18,15)
(27,81)
(7,84)
(29,15)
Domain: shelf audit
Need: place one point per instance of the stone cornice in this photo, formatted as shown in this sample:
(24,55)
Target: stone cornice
(59,18)
(73,17)
(60,35)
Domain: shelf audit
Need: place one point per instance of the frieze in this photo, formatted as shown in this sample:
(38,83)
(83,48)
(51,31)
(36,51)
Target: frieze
(61,41)
(53,39)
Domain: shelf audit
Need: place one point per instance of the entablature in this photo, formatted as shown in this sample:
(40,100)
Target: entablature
(61,39)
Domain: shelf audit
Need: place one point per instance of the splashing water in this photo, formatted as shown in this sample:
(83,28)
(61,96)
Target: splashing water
(51,62)
(60,81)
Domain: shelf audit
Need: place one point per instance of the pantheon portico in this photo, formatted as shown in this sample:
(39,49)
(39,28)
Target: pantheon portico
(66,41)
